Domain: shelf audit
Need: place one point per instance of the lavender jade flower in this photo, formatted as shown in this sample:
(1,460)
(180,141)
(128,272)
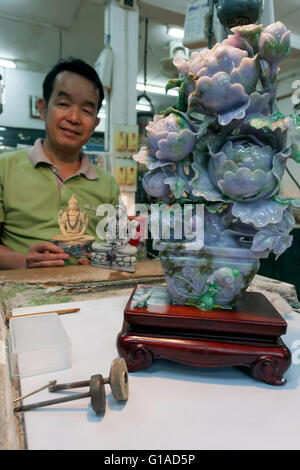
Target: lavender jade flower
(154,185)
(246,170)
(225,79)
(274,43)
(170,138)
(245,38)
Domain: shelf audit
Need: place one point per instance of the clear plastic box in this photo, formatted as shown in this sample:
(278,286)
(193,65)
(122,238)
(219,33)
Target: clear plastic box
(38,344)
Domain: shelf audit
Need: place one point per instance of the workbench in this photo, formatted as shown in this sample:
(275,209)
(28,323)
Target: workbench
(170,406)
(37,287)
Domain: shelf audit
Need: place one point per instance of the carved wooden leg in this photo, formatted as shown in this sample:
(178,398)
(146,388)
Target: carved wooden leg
(266,361)
(136,354)
(271,368)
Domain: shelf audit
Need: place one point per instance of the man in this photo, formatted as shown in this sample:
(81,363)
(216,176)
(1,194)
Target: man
(36,184)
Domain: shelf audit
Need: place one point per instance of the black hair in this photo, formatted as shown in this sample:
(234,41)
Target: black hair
(76,66)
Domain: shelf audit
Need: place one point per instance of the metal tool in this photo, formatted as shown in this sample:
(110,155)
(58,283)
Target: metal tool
(96,392)
(118,380)
(53,382)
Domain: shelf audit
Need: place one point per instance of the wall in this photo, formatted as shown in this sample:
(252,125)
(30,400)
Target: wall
(19,85)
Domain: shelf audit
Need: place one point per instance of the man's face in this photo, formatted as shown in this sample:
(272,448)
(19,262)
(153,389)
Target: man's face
(71,114)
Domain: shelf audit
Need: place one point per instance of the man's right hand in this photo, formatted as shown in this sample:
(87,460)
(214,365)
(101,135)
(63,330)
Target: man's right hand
(45,255)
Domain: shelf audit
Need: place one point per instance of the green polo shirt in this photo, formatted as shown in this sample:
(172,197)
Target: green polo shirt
(30,199)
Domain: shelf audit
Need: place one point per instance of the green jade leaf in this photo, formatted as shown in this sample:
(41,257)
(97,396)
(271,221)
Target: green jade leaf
(296,120)
(205,301)
(295,153)
(174,83)
(287,201)
(219,207)
(271,123)
(180,83)
(170,110)
(177,186)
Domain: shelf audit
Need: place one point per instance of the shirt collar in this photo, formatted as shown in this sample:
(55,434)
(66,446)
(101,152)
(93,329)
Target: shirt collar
(37,155)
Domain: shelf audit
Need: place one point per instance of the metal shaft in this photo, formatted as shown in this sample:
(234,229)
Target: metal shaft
(67,386)
(41,404)
(53,382)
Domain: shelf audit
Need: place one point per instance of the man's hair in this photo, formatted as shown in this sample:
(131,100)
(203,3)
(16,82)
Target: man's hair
(76,66)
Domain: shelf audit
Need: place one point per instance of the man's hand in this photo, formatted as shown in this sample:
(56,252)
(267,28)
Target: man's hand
(45,255)
(85,261)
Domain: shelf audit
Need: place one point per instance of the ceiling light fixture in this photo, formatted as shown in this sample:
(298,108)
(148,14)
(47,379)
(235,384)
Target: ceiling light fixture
(175,32)
(9,64)
(143,107)
(139,107)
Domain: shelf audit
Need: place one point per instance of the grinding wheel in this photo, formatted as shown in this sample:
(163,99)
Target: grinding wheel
(118,379)
(97,392)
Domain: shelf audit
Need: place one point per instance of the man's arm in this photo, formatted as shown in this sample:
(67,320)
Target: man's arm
(10,259)
(40,255)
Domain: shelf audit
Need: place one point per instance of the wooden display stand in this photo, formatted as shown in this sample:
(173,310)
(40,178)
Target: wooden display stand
(248,336)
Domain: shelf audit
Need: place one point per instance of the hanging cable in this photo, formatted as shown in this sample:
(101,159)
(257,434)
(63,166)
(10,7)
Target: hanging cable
(210,24)
(144,94)
(145,53)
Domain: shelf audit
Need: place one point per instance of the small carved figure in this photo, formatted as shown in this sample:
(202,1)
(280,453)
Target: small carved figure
(73,224)
(116,252)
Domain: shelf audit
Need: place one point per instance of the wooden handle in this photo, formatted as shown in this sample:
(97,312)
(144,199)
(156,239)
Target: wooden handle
(59,312)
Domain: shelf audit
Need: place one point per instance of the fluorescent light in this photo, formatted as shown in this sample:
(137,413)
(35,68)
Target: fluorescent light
(143,107)
(176,32)
(139,107)
(151,88)
(9,64)
(155,89)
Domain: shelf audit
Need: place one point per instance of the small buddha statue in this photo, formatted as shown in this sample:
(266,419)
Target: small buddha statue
(120,230)
(116,252)
(73,223)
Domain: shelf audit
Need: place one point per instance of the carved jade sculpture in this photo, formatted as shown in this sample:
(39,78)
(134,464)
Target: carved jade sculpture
(116,252)
(73,223)
(223,145)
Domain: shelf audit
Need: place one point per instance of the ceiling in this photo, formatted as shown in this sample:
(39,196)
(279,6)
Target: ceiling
(36,33)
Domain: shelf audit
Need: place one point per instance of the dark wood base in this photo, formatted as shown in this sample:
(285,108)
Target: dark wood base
(246,337)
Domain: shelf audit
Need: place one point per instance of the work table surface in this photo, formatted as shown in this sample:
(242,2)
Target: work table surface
(82,273)
(170,406)
(54,285)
